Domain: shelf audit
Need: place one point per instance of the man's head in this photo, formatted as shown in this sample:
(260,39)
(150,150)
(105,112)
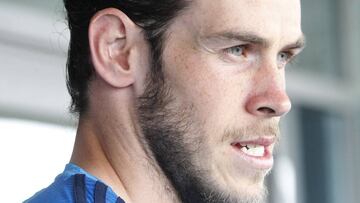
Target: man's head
(204,81)
(153,16)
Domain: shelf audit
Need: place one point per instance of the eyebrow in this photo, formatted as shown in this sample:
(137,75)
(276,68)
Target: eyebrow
(299,44)
(253,38)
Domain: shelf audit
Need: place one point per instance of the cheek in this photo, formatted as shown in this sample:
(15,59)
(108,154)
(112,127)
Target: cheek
(186,73)
(192,82)
(217,95)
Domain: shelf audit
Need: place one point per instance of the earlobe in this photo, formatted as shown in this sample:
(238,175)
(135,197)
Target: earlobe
(110,45)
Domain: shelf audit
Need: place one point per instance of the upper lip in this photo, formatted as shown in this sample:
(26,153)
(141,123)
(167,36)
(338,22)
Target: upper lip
(263,141)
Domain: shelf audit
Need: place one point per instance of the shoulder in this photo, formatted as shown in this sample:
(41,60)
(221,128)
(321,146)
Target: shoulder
(61,190)
(75,185)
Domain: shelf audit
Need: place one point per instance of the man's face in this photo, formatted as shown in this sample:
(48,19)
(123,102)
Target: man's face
(213,124)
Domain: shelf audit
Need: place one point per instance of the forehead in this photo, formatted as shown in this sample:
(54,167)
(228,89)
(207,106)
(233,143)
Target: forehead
(270,19)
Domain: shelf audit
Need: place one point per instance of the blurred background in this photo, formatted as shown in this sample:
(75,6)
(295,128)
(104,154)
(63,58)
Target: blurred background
(319,159)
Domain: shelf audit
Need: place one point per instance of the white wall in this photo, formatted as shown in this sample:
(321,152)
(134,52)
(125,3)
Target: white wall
(32,154)
(33,45)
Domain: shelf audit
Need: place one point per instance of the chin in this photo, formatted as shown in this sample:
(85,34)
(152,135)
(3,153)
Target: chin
(246,186)
(255,193)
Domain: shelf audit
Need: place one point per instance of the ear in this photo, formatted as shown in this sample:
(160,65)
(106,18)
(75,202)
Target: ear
(111,37)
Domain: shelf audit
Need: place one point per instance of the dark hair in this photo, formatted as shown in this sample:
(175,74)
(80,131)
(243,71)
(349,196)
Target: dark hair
(153,16)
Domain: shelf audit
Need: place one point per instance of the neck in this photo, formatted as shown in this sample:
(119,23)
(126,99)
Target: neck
(117,155)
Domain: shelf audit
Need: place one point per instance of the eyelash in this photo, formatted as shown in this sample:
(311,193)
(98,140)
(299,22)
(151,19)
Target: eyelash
(228,54)
(289,54)
(242,47)
(290,59)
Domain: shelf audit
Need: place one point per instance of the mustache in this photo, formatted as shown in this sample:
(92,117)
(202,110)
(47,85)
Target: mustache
(253,131)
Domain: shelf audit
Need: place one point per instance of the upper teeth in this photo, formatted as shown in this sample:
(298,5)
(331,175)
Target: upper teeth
(253,150)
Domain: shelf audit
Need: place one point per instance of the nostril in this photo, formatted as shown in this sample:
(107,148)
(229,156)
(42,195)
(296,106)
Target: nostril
(268,104)
(266,110)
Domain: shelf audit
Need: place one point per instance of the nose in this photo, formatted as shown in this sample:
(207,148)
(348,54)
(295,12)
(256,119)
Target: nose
(269,98)
(270,104)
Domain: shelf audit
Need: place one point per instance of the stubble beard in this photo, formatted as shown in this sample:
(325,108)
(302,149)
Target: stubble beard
(169,133)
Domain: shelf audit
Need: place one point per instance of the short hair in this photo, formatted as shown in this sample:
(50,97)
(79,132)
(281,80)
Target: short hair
(153,16)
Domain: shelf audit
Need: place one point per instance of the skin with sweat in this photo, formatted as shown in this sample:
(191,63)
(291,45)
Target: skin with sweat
(224,61)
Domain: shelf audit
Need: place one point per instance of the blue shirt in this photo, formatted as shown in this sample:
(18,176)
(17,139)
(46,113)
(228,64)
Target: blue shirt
(75,185)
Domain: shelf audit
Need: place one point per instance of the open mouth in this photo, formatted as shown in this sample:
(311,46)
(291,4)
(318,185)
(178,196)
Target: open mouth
(257,153)
(252,149)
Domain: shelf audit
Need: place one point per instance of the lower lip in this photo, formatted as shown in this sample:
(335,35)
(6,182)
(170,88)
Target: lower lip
(263,163)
